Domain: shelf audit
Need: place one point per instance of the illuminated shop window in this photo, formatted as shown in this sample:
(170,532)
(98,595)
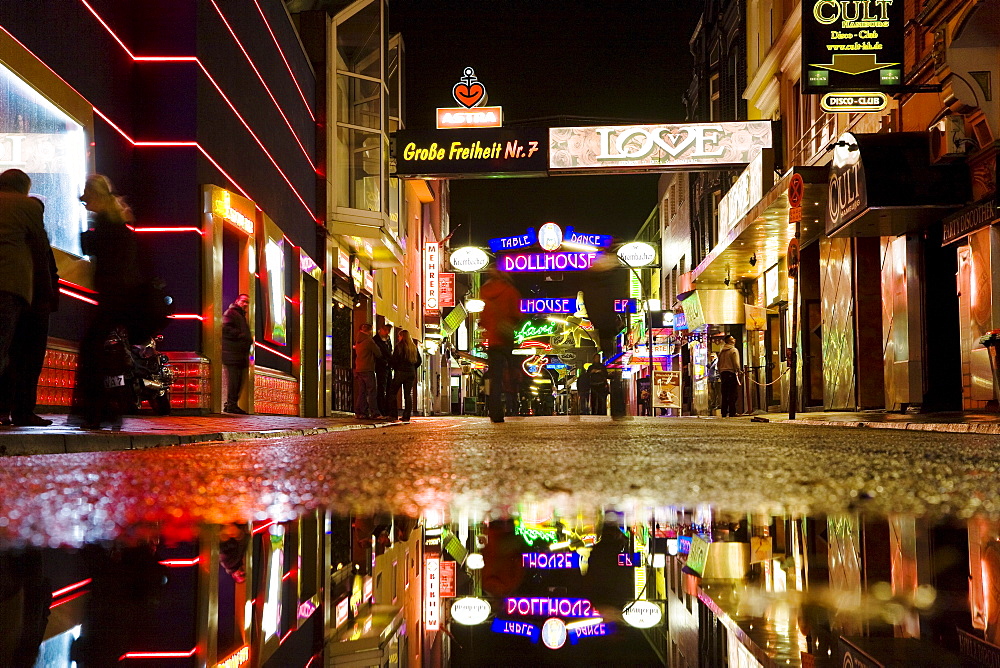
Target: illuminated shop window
(38,138)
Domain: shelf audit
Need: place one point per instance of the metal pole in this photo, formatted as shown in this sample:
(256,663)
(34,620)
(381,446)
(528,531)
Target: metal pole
(649,331)
(793,384)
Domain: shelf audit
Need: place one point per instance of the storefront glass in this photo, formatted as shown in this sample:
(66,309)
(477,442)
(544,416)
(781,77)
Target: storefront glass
(38,138)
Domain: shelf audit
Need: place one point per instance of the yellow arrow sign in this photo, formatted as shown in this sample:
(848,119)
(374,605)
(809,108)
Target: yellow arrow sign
(853,63)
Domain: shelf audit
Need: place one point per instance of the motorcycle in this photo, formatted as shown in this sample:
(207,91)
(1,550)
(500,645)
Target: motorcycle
(134,373)
(151,376)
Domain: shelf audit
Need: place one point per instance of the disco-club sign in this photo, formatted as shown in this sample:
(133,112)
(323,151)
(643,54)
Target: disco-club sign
(595,240)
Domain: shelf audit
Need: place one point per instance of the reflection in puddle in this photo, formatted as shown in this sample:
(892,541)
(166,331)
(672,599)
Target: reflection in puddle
(663,586)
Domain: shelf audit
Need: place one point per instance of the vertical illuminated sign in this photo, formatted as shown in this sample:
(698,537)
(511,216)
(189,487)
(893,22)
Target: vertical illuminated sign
(432,279)
(273,279)
(446,294)
(432,593)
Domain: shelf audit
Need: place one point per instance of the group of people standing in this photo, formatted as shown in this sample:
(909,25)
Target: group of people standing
(383,369)
(29,293)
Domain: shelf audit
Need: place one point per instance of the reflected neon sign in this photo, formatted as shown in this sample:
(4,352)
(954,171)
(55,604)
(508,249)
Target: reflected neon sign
(553,560)
(544,606)
(530,330)
(523,629)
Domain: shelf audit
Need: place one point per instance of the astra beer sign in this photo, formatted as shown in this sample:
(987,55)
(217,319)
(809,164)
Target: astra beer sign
(469,153)
(631,148)
(851,45)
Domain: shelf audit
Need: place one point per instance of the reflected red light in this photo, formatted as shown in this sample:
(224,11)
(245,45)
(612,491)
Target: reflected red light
(76,296)
(272,351)
(77,287)
(76,585)
(176,563)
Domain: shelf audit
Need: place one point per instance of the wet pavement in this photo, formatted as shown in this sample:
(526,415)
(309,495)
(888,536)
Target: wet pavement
(437,464)
(769,543)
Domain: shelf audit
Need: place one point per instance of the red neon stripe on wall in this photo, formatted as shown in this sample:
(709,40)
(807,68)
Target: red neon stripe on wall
(76,296)
(169,229)
(76,585)
(75,596)
(272,350)
(187,316)
(263,526)
(287,66)
(77,287)
(225,99)
(158,655)
(175,563)
(266,87)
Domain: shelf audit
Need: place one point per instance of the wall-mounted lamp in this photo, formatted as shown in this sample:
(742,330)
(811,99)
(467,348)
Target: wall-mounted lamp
(753,259)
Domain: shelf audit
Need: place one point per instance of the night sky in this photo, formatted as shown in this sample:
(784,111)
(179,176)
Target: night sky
(590,62)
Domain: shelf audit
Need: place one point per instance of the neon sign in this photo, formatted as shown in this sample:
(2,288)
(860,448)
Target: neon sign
(553,560)
(631,559)
(530,330)
(589,631)
(515,242)
(547,261)
(222,206)
(432,599)
(470,93)
(432,255)
(596,240)
(523,629)
(554,633)
(531,535)
(626,306)
(543,606)
(565,305)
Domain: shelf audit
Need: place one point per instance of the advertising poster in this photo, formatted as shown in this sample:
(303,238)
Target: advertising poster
(666,389)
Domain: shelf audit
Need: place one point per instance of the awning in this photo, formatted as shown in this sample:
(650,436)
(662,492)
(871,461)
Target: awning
(464,356)
(367,232)
(762,235)
(713,307)
(883,185)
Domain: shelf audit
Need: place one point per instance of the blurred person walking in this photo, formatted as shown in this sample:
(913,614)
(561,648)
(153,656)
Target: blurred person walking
(729,372)
(365,394)
(122,281)
(602,289)
(383,372)
(405,362)
(500,315)
(237,341)
(583,391)
(29,292)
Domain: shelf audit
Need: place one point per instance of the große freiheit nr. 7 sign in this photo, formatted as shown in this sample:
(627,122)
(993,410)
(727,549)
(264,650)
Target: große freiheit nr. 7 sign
(852,45)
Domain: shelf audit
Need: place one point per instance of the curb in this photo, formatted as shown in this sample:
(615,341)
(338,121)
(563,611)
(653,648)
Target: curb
(58,444)
(948,427)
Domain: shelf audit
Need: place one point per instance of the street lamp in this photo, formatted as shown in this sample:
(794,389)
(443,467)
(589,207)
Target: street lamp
(636,255)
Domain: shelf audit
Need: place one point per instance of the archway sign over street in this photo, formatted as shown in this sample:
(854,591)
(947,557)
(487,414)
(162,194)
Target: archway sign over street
(619,149)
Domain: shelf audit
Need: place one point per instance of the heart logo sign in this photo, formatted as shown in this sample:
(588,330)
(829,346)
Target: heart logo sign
(469,96)
(468,92)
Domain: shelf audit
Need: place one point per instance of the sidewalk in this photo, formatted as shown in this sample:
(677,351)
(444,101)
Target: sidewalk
(953,422)
(142,431)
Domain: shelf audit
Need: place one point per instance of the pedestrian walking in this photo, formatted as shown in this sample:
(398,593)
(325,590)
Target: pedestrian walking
(729,373)
(500,314)
(365,394)
(122,282)
(598,375)
(583,391)
(383,371)
(405,362)
(237,341)
(645,403)
(29,292)
(603,288)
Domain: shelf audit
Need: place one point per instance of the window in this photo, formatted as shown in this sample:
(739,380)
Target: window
(38,138)
(361,150)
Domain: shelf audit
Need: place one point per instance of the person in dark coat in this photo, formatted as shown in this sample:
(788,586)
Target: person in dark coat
(29,292)
(120,275)
(597,373)
(583,390)
(404,362)
(237,340)
(383,373)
